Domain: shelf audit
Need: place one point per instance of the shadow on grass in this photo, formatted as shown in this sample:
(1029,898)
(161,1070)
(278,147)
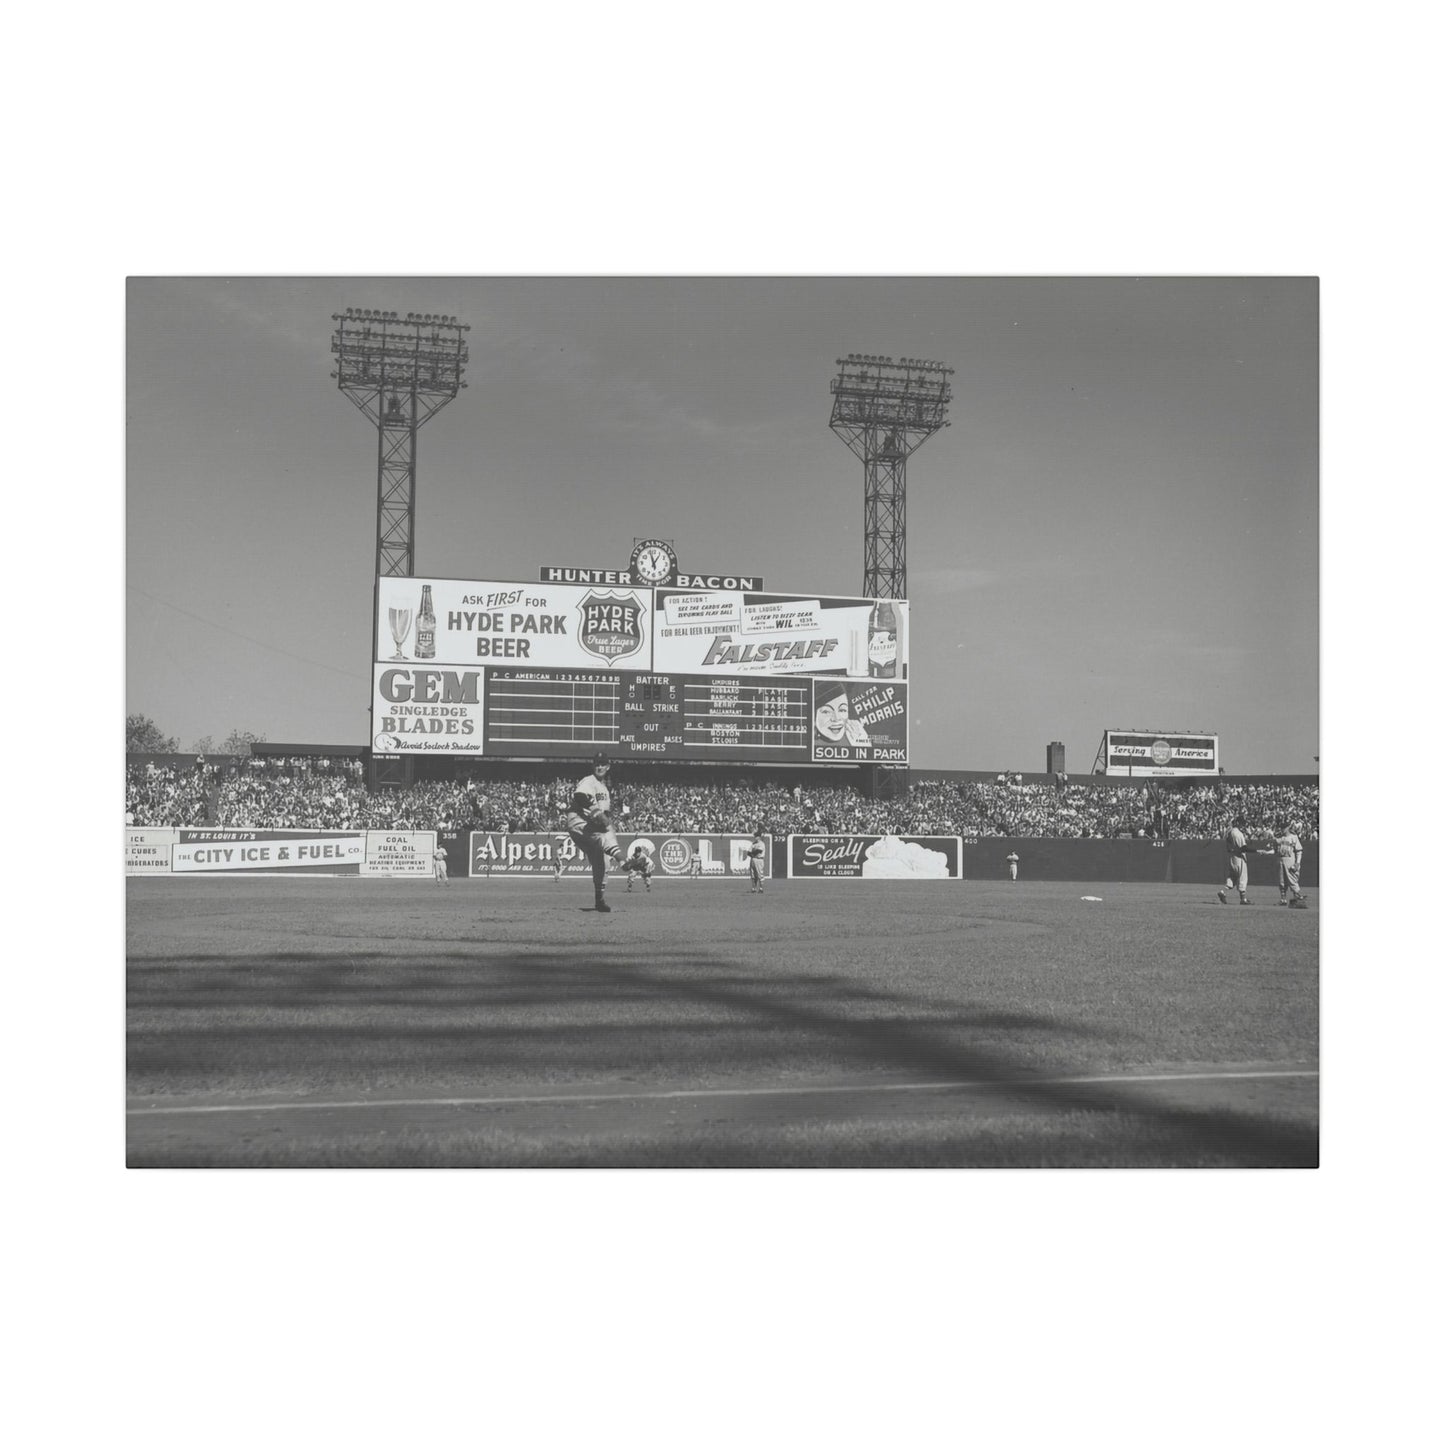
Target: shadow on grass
(343,1018)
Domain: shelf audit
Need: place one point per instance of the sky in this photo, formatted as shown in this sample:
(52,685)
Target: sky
(1119,527)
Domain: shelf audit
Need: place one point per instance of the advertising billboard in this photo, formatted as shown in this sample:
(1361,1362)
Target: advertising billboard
(426,709)
(859,722)
(779,634)
(148,850)
(1132,753)
(267,851)
(443,622)
(447,622)
(873,855)
(507,669)
(674,855)
(383,853)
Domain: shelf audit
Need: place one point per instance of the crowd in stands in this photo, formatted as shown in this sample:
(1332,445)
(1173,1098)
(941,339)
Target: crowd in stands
(166,797)
(304,793)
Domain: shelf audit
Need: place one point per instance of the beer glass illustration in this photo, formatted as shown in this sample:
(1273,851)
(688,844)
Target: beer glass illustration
(400,620)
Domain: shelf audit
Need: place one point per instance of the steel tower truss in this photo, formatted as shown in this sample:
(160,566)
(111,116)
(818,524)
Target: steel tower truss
(399,371)
(884,411)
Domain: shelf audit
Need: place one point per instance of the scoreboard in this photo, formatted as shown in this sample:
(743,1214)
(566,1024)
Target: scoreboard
(539,712)
(544,669)
(532,712)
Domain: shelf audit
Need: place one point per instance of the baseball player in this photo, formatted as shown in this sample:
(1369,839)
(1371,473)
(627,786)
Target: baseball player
(638,865)
(1013,866)
(559,842)
(1291,854)
(589,825)
(1236,846)
(439,864)
(756,850)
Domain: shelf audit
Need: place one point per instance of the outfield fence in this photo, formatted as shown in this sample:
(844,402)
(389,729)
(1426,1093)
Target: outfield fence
(407,853)
(403,853)
(1123,860)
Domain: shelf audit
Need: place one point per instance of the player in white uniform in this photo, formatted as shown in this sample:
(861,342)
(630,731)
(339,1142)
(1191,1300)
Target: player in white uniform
(1236,846)
(589,825)
(1291,854)
(756,849)
(439,864)
(638,865)
(1013,866)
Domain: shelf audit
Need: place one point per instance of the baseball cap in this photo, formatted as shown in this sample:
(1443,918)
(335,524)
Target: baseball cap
(600,760)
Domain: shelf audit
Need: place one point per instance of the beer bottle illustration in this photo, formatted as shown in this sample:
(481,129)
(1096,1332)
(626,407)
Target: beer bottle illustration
(426,626)
(882,641)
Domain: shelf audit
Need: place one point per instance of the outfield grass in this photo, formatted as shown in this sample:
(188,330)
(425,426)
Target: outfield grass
(703,1026)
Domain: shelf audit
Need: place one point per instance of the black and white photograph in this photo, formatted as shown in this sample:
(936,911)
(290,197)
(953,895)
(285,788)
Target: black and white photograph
(744,639)
(491,579)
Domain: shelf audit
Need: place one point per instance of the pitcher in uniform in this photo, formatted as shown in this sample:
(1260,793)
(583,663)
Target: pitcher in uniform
(589,825)
(1236,846)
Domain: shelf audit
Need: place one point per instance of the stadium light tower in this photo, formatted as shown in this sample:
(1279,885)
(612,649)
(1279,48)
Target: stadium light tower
(885,410)
(400,371)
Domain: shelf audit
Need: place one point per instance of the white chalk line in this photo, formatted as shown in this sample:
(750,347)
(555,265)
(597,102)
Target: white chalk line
(796,1091)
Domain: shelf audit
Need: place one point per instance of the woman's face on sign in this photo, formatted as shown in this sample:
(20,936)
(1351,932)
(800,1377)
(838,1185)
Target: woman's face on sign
(832,718)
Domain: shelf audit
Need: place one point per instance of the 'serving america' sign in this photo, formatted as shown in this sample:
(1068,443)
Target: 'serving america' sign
(1160,755)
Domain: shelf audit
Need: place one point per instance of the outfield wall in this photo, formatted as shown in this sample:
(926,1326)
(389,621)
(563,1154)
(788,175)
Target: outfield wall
(402,853)
(1122,860)
(399,853)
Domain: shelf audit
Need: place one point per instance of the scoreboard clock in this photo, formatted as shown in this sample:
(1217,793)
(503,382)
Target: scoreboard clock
(654,564)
